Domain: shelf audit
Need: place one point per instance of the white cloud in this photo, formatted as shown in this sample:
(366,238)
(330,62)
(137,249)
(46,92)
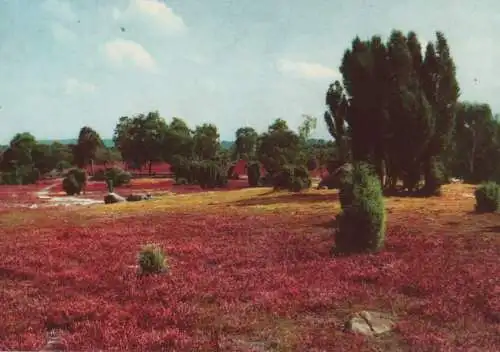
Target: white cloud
(73,86)
(306,69)
(151,11)
(60,9)
(61,33)
(121,52)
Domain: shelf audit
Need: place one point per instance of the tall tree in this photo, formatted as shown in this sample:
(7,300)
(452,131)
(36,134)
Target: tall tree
(441,88)
(178,140)
(476,142)
(140,138)
(86,147)
(19,152)
(206,141)
(335,118)
(278,146)
(245,144)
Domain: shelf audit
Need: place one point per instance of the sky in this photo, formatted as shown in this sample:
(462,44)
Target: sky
(69,63)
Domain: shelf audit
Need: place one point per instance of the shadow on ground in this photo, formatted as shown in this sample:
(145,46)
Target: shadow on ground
(268,199)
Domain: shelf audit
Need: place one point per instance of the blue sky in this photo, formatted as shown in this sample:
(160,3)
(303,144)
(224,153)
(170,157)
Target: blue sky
(67,63)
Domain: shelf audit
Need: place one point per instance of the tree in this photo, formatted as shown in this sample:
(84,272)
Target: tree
(178,140)
(206,141)
(19,152)
(86,147)
(439,82)
(245,144)
(335,118)
(278,146)
(391,95)
(476,143)
(140,139)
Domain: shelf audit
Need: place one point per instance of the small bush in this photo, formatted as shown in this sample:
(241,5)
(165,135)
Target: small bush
(253,172)
(71,186)
(211,175)
(487,197)
(151,259)
(361,224)
(118,176)
(292,178)
(184,169)
(74,181)
(99,175)
(435,179)
(63,165)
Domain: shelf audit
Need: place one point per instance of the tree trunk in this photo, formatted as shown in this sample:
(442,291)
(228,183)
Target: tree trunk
(92,167)
(150,167)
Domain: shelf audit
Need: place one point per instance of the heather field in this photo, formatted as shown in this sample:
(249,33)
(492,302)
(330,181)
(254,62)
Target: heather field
(250,269)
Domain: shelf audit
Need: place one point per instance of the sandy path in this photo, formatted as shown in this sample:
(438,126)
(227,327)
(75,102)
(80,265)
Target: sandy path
(63,201)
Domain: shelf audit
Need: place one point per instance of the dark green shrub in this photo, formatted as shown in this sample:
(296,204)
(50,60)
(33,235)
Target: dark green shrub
(71,186)
(253,172)
(63,165)
(487,197)
(99,175)
(361,224)
(211,175)
(80,175)
(435,179)
(151,259)
(292,178)
(74,181)
(118,176)
(184,169)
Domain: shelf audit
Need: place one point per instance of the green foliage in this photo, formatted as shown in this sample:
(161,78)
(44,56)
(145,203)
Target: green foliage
(142,138)
(487,197)
(253,172)
(63,165)
(361,224)
(151,259)
(74,181)
(293,178)
(207,173)
(71,186)
(435,179)
(211,175)
(278,147)
(391,95)
(246,143)
(117,176)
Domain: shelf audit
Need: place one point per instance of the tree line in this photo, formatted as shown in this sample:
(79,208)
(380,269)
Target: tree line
(397,108)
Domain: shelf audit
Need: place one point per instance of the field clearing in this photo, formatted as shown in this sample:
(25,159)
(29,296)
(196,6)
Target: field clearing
(250,269)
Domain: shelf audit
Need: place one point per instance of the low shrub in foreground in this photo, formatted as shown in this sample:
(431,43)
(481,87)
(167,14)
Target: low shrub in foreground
(152,259)
(361,224)
(487,197)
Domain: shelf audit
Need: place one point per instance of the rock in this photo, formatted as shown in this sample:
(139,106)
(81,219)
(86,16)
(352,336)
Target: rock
(138,197)
(370,323)
(111,198)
